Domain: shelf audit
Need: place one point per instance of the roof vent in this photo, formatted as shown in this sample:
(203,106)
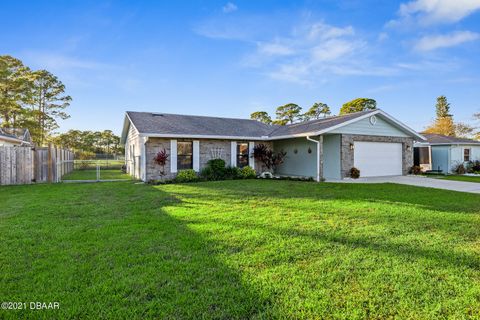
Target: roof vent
(157,115)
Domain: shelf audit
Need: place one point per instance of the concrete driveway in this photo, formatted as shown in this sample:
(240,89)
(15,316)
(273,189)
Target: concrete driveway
(420,181)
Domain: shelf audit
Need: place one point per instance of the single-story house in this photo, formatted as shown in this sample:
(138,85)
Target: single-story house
(13,137)
(443,153)
(372,141)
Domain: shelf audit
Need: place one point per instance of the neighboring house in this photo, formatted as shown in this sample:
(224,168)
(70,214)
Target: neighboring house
(14,137)
(372,141)
(443,153)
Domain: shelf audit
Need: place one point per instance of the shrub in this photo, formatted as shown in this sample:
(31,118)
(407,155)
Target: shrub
(269,159)
(161,159)
(188,175)
(459,168)
(207,173)
(248,172)
(476,166)
(217,167)
(354,173)
(416,170)
(232,173)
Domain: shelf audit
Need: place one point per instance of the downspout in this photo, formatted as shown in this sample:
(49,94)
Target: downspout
(318,156)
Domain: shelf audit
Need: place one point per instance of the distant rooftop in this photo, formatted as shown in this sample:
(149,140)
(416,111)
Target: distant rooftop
(15,133)
(434,138)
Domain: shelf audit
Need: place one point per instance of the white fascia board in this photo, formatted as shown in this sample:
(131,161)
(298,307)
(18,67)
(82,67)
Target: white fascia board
(402,125)
(12,139)
(194,136)
(126,127)
(289,136)
(381,112)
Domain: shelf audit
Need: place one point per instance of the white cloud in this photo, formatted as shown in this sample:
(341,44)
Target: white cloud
(274,49)
(432,42)
(427,12)
(229,7)
(310,51)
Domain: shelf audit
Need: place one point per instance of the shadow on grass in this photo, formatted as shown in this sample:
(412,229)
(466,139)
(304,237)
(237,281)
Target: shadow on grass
(118,255)
(433,199)
(440,255)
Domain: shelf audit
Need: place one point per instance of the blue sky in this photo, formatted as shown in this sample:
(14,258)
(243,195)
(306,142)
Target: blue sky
(232,58)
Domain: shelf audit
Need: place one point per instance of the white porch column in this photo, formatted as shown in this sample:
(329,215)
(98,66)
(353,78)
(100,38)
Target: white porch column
(196,155)
(143,157)
(233,154)
(173,156)
(251,160)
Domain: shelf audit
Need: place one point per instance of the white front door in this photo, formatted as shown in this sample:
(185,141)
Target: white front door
(377,159)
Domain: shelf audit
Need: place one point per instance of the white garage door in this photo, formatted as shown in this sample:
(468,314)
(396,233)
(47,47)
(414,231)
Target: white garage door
(376,159)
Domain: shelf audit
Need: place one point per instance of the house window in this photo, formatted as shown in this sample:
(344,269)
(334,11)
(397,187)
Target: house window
(466,155)
(424,155)
(184,155)
(242,155)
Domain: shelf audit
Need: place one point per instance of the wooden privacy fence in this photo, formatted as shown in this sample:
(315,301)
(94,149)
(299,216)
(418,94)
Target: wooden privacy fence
(24,165)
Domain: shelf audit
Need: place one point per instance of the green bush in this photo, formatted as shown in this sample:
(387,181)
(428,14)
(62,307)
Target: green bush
(232,173)
(186,176)
(207,173)
(248,172)
(215,170)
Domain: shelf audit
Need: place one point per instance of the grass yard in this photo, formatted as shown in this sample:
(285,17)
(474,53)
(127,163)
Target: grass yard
(240,250)
(462,178)
(88,174)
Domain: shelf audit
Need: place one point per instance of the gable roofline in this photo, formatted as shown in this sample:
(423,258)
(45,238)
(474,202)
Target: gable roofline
(128,122)
(343,124)
(23,139)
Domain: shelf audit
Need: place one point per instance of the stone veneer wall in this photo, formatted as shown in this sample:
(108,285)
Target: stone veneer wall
(347,155)
(207,146)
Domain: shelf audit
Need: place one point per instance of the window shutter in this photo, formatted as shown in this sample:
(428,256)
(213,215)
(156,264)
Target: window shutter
(233,154)
(173,156)
(196,155)
(251,160)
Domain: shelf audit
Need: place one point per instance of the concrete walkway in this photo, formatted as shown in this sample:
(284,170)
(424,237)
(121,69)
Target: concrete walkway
(420,181)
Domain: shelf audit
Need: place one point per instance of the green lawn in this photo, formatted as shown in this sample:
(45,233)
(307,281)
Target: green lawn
(240,249)
(105,174)
(462,178)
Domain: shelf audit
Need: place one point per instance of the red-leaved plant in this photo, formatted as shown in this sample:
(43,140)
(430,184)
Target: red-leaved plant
(270,159)
(161,160)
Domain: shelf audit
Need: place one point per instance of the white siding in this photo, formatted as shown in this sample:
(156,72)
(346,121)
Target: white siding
(364,127)
(456,153)
(133,150)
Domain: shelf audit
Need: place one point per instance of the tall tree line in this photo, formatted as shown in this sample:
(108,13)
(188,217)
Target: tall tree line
(35,100)
(292,113)
(89,142)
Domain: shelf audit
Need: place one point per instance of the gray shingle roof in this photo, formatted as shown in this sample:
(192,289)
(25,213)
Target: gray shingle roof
(176,124)
(164,123)
(433,138)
